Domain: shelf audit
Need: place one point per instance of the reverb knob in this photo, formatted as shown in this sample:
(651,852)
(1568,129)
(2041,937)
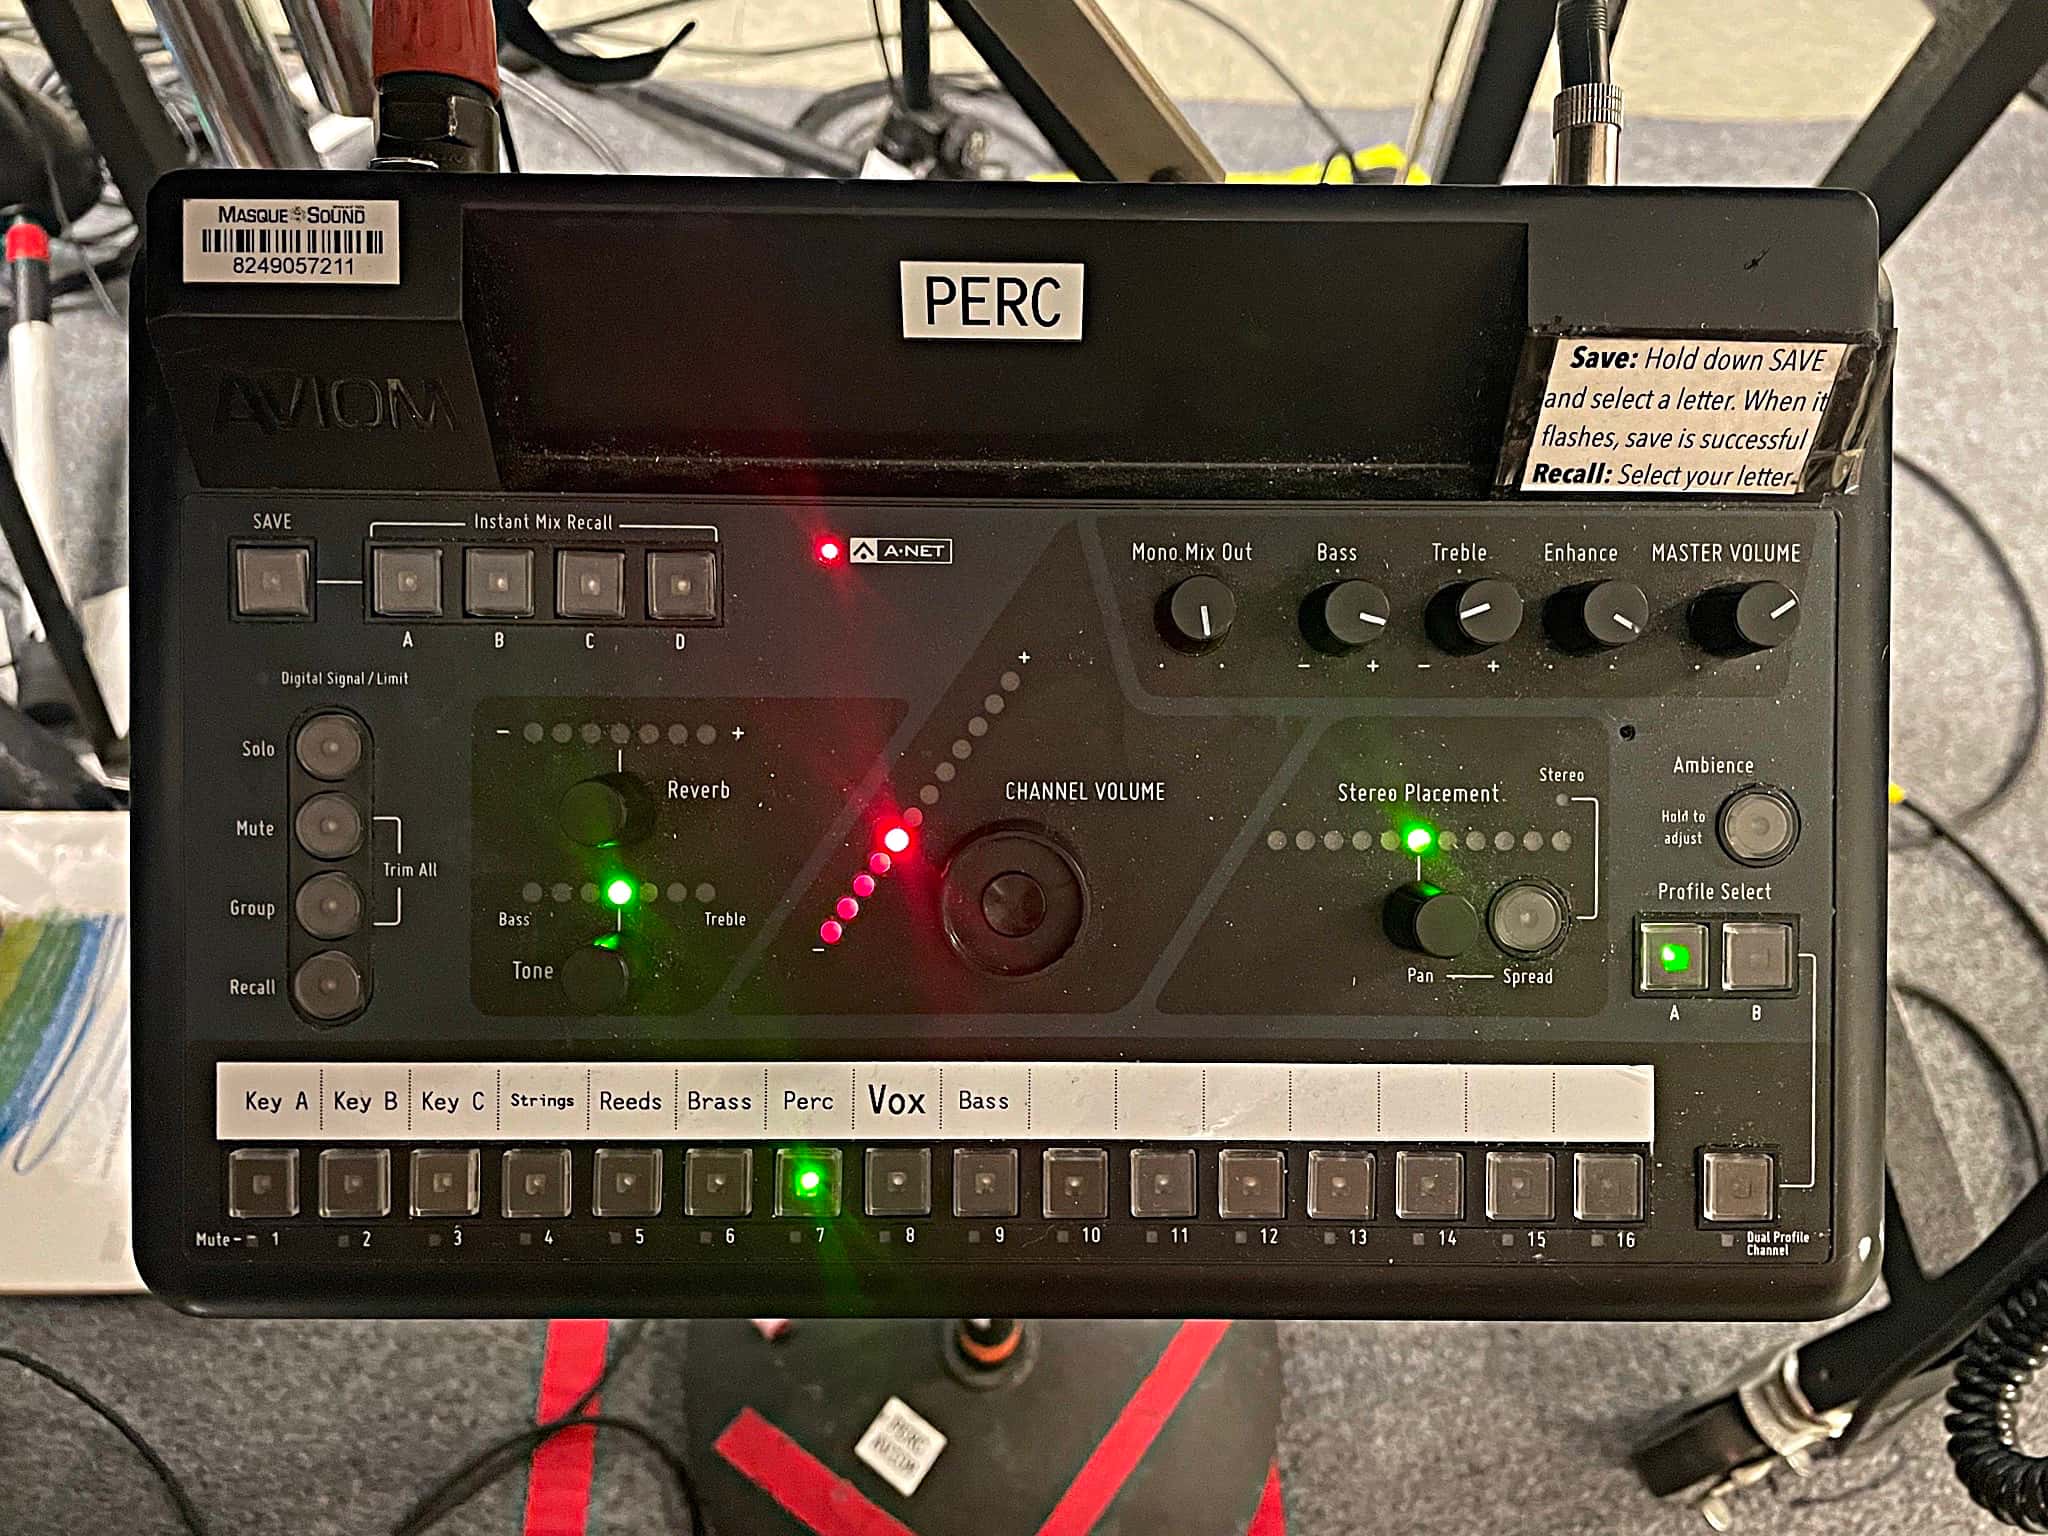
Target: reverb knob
(1344,615)
(1196,614)
(1430,920)
(1745,616)
(1598,616)
(608,810)
(1474,616)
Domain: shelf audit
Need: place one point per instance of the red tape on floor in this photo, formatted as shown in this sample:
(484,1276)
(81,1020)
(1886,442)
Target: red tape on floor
(829,1505)
(1111,1463)
(559,1477)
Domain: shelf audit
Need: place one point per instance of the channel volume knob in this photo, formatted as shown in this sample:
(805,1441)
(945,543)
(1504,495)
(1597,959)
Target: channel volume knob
(1745,617)
(1431,921)
(1474,616)
(603,812)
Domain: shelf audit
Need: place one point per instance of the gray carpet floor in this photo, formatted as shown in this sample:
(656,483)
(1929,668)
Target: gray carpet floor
(321,1428)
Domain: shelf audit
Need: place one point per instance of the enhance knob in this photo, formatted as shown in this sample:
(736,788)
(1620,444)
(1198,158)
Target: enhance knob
(1598,616)
(1430,920)
(1475,616)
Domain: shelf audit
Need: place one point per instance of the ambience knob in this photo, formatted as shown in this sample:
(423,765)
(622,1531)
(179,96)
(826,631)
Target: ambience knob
(1196,614)
(1598,616)
(1744,617)
(610,809)
(595,978)
(1430,920)
(1344,616)
(1474,616)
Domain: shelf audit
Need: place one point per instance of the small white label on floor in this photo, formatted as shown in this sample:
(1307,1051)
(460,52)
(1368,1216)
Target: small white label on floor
(288,240)
(901,1445)
(1625,415)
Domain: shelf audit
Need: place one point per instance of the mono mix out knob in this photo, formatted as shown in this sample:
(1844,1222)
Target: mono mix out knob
(1430,920)
(1343,616)
(1598,616)
(607,810)
(1475,616)
(1196,614)
(1745,617)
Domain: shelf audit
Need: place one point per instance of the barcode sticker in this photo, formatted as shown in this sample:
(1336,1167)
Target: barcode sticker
(279,240)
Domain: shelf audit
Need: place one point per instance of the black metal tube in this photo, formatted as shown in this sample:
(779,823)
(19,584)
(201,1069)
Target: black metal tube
(60,624)
(917,55)
(1582,35)
(755,132)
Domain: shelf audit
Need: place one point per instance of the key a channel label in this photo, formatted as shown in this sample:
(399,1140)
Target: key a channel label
(881,549)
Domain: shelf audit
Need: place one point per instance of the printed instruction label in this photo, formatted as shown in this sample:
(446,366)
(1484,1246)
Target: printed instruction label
(291,240)
(901,1445)
(1626,415)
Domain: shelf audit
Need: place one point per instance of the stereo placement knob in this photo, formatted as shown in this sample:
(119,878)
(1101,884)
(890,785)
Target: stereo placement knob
(1598,616)
(1196,614)
(1474,616)
(1343,616)
(603,812)
(1744,617)
(596,978)
(1430,920)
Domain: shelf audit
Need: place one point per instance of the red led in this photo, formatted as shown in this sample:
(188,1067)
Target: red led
(829,551)
(863,885)
(830,931)
(913,817)
(896,839)
(848,909)
(880,863)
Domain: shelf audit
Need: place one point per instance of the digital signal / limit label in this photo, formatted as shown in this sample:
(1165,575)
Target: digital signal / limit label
(1627,415)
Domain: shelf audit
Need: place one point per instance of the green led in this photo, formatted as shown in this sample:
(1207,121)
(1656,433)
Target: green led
(809,1182)
(1418,839)
(608,941)
(620,892)
(1675,958)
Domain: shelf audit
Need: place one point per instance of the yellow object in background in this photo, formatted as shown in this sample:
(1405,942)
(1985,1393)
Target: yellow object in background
(1335,172)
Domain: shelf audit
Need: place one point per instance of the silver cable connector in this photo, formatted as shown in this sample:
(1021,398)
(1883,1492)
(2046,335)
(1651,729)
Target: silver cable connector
(1585,132)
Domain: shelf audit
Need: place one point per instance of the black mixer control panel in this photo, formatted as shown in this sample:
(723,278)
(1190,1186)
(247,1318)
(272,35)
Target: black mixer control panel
(589,870)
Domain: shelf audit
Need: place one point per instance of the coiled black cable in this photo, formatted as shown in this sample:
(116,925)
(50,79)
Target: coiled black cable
(1993,1375)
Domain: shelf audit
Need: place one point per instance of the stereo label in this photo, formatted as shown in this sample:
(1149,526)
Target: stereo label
(991,300)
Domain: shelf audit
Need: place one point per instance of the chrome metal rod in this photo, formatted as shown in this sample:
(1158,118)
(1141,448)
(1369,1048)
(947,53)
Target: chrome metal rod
(228,59)
(334,45)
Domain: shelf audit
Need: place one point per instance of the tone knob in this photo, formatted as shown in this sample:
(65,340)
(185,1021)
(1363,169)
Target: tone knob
(1197,613)
(1474,616)
(603,812)
(1745,616)
(1344,615)
(596,978)
(1430,920)
(1598,616)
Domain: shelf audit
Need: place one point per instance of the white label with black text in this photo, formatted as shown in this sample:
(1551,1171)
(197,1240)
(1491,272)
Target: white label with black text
(1624,415)
(991,300)
(291,240)
(901,1445)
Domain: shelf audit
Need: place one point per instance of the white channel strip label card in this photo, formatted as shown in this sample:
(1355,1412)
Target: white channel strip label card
(869,1101)
(291,240)
(902,1445)
(1625,415)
